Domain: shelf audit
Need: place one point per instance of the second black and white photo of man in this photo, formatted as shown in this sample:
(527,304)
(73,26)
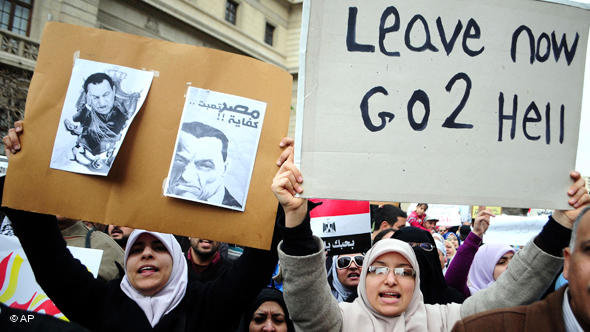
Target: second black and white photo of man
(215,149)
(200,164)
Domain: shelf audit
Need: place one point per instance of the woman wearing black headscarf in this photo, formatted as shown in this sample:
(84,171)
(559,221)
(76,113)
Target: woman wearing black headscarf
(267,313)
(432,281)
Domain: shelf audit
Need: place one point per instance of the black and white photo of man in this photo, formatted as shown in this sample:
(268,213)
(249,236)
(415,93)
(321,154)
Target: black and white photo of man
(101,102)
(200,164)
(100,123)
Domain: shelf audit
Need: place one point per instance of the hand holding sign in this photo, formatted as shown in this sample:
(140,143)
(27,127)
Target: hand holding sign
(286,185)
(579,199)
(287,143)
(11,140)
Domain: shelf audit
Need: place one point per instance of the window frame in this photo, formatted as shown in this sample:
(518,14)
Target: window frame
(229,14)
(272,30)
(13,4)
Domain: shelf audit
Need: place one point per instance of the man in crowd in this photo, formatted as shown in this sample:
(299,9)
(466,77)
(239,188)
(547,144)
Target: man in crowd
(200,164)
(388,216)
(77,234)
(567,309)
(430,223)
(205,259)
(120,234)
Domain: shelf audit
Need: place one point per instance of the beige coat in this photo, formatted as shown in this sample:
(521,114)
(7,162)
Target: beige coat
(313,308)
(75,236)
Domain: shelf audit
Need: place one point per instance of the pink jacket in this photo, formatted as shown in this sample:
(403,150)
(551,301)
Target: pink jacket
(415,220)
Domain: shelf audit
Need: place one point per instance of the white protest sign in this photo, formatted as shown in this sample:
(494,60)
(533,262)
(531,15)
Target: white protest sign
(514,230)
(583,155)
(470,102)
(18,288)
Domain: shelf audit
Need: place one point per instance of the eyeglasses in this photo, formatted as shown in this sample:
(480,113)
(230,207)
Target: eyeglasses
(424,245)
(403,272)
(345,261)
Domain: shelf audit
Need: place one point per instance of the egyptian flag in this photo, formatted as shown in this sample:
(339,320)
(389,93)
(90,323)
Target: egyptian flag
(345,226)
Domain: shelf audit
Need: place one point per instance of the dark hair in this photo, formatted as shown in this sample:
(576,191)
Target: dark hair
(373,209)
(382,234)
(388,213)
(200,130)
(422,204)
(464,231)
(265,295)
(97,78)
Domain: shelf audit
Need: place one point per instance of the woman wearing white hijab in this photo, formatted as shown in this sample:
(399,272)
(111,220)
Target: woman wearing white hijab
(389,291)
(154,295)
(155,280)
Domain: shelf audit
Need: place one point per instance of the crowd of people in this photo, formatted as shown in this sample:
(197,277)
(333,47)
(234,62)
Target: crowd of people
(417,276)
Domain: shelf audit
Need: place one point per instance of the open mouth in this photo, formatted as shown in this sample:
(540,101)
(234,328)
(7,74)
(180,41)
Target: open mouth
(147,270)
(353,276)
(205,244)
(390,297)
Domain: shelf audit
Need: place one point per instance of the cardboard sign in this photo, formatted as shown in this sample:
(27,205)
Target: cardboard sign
(132,194)
(18,288)
(455,102)
(345,226)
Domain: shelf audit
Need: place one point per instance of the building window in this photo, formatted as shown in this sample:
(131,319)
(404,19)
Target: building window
(269,33)
(231,11)
(15,16)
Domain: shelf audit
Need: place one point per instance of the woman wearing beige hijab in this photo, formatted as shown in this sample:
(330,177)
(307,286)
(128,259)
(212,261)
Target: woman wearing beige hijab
(389,290)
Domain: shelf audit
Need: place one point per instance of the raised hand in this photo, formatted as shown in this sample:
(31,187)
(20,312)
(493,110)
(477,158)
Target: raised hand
(482,222)
(11,140)
(578,199)
(287,143)
(286,185)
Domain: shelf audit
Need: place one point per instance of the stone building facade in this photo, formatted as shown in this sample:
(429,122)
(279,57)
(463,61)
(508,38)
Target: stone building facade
(267,30)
